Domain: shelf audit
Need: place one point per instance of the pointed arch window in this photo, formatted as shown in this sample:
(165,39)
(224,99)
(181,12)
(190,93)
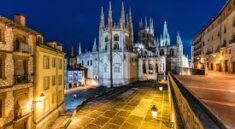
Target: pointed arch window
(171,52)
(116,37)
(106,39)
(162,52)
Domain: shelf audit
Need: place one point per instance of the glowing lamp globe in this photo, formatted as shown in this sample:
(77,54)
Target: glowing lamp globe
(154,111)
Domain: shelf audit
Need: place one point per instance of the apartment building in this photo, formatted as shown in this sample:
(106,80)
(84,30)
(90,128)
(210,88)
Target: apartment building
(214,47)
(26,97)
(49,84)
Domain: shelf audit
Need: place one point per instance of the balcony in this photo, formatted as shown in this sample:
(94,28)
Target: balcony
(232,42)
(22,46)
(21,79)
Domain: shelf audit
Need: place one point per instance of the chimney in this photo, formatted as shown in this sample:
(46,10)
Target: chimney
(20,19)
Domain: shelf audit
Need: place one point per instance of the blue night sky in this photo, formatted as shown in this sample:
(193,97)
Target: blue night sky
(72,21)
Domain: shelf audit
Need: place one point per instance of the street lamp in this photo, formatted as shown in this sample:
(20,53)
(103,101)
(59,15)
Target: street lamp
(161,88)
(154,112)
(34,103)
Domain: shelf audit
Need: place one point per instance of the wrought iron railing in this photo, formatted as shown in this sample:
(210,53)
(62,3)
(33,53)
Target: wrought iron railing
(19,79)
(21,46)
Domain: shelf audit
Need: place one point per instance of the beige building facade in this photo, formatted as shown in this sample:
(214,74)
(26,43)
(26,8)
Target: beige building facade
(214,47)
(18,46)
(49,83)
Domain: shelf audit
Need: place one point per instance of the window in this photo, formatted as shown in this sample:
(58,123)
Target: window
(144,67)
(87,63)
(106,39)
(225,29)
(60,96)
(53,62)
(156,68)
(116,37)
(116,46)
(60,80)
(53,98)
(39,40)
(82,62)
(60,63)
(46,62)
(90,62)
(46,83)
(53,80)
(171,52)
(162,52)
(117,69)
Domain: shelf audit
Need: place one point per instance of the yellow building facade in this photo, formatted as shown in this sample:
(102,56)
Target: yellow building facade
(49,84)
(214,46)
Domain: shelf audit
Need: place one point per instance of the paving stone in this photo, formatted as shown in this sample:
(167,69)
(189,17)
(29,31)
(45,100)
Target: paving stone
(134,120)
(124,113)
(100,121)
(92,126)
(110,126)
(110,113)
(117,120)
(128,126)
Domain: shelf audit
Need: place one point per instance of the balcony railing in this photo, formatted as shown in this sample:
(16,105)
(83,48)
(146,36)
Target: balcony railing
(21,46)
(232,41)
(20,79)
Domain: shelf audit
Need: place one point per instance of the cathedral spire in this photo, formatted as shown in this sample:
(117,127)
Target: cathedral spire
(122,20)
(166,35)
(131,28)
(79,49)
(94,49)
(179,40)
(165,30)
(141,23)
(110,19)
(102,24)
(146,23)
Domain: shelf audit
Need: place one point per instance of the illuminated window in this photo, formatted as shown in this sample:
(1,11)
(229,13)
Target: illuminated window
(53,62)
(60,96)
(46,83)
(60,80)
(46,62)
(60,63)
(53,80)
(53,98)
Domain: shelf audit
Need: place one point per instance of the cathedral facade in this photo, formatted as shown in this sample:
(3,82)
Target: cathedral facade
(129,61)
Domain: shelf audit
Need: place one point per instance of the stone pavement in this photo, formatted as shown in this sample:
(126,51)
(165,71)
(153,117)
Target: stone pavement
(130,109)
(217,93)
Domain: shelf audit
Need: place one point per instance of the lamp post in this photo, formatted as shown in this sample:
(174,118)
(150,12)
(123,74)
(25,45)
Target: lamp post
(154,112)
(40,99)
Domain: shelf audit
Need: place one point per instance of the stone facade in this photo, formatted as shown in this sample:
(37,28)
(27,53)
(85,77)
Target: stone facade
(214,47)
(16,80)
(124,64)
(130,62)
(18,74)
